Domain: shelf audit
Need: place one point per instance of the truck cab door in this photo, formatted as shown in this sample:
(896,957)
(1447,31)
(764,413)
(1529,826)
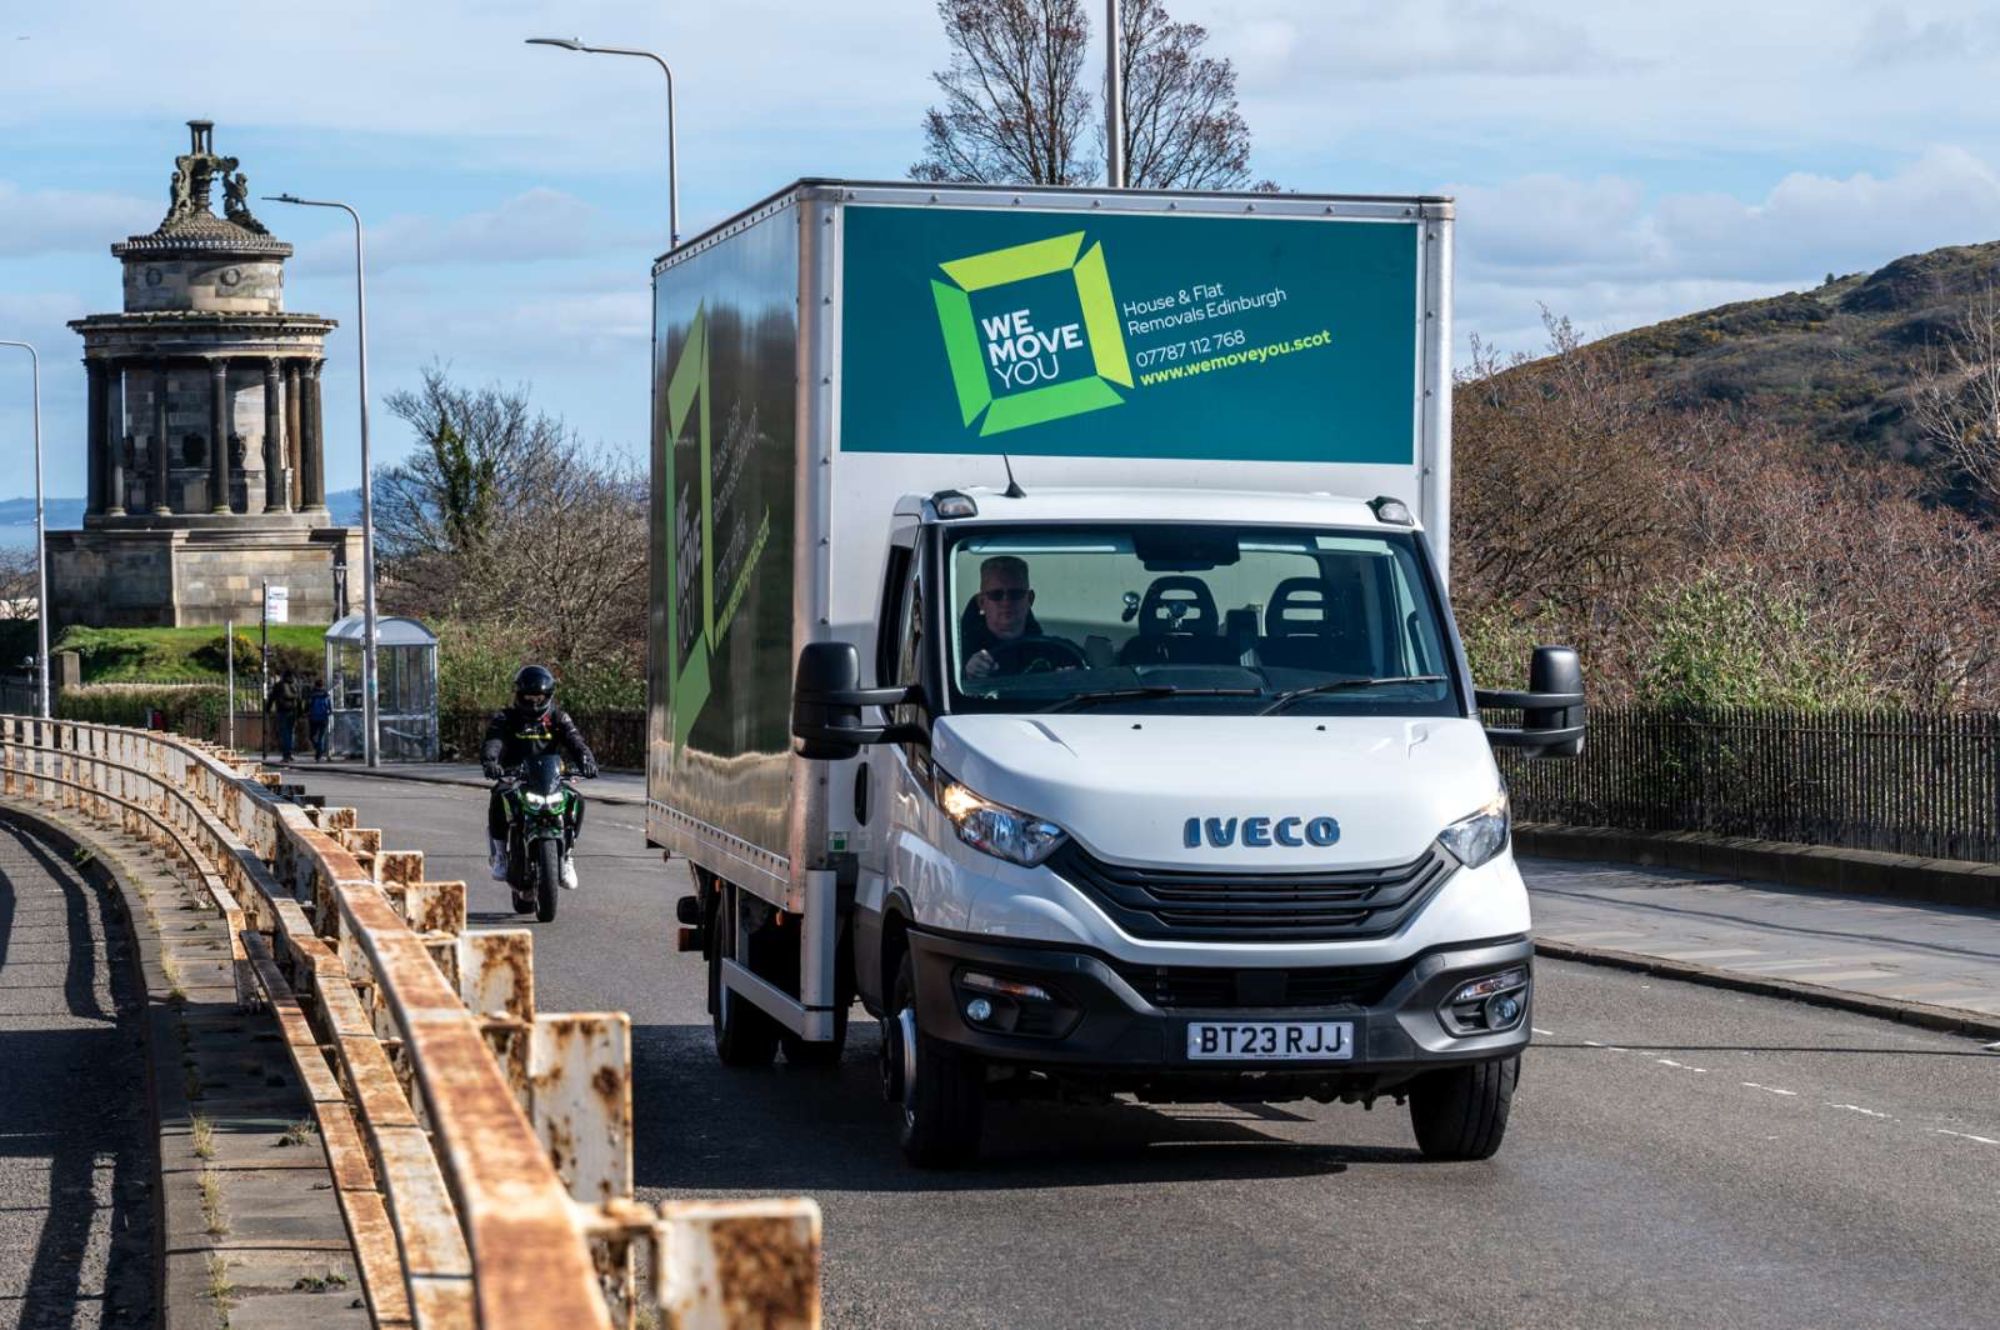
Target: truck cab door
(886,782)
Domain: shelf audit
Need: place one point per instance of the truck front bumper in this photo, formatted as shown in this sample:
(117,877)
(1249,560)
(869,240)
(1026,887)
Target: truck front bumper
(1125,1027)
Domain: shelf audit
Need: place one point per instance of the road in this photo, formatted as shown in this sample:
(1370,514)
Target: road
(75,1156)
(1678,1156)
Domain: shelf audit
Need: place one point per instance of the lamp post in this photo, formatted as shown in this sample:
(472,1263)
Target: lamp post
(41,544)
(673,181)
(1114,99)
(369,703)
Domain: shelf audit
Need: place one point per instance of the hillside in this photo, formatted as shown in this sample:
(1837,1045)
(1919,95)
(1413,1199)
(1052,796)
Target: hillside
(1833,363)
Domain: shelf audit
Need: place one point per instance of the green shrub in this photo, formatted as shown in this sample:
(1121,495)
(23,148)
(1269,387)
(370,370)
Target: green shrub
(1725,643)
(188,708)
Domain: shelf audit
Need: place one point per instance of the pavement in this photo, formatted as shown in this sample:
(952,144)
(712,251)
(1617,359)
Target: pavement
(75,1158)
(1679,1154)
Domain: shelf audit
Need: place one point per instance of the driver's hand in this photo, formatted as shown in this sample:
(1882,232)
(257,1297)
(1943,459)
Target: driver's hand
(981,665)
(492,770)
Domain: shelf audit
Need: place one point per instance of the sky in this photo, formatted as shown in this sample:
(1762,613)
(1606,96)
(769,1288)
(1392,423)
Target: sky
(1616,163)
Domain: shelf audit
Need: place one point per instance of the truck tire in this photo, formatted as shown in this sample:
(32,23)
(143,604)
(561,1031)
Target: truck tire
(804,1053)
(943,1090)
(1461,1113)
(744,1035)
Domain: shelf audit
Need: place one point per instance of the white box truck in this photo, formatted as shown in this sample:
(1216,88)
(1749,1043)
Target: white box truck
(1051,653)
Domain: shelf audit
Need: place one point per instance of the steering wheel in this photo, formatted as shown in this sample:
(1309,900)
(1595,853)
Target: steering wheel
(1036,655)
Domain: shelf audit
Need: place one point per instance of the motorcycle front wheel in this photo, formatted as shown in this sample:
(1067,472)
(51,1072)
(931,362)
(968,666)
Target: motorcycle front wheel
(548,877)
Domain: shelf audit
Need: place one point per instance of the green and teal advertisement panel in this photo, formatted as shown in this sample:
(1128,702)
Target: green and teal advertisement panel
(1085,335)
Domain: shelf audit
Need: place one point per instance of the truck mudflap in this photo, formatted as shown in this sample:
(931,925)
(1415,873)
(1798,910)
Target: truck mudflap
(1325,1031)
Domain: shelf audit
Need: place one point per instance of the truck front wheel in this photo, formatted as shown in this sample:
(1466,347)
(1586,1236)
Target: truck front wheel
(939,1092)
(1461,1113)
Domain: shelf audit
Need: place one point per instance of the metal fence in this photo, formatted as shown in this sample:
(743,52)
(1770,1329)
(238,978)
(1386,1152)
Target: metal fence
(481,1150)
(1906,783)
(617,737)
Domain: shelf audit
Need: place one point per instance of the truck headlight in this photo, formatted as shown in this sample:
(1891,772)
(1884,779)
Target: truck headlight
(1475,839)
(994,828)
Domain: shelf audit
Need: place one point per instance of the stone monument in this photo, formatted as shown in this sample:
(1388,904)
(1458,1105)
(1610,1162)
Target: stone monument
(207,458)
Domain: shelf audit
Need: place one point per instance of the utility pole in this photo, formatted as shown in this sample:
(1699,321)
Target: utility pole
(41,545)
(1114,99)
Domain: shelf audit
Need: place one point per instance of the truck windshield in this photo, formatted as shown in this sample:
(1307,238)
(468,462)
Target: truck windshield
(1195,618)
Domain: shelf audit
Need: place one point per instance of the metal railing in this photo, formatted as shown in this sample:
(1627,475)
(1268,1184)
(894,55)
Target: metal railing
(1902,782)
(481,1151)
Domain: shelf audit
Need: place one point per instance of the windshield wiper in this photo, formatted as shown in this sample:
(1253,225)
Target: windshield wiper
(1284,700)
(1078,701)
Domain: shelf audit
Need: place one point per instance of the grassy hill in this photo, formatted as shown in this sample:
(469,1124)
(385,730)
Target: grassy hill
(1833,363)
(184,655)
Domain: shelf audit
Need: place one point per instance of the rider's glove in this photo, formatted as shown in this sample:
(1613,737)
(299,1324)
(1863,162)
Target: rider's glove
(492,770)
(590,771)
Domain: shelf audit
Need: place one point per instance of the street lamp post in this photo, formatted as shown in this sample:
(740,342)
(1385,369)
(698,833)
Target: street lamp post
(41,544)
(673,180)
(1114,99)
(370,748)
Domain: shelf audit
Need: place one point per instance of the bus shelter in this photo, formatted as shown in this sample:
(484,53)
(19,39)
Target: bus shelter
(406,689)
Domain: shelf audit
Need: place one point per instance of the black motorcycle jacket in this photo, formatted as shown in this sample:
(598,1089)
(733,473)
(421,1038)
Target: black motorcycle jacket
(515,735)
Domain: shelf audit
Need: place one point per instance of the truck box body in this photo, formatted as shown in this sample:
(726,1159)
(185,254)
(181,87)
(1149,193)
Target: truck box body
(841,345)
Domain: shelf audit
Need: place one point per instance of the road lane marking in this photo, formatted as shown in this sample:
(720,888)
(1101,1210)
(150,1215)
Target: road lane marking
(1966,1136)
(1536,1029)
(1856,1108)
(1669,1062)
(1770,1089)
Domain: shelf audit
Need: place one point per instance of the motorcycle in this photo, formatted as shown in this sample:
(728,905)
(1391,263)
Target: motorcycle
(544,815)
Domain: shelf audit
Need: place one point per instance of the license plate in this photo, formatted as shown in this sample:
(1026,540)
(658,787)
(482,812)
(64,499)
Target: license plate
(1271,1041)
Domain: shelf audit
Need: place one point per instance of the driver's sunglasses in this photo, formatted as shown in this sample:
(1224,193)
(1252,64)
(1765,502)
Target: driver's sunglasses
(1006,594)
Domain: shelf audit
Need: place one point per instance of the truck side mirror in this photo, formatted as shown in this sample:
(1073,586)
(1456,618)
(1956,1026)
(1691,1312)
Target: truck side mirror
(826,705)
(1552,710)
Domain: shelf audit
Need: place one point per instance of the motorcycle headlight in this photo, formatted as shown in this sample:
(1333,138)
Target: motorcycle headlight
(994,828)
(534,800)
(1474,840)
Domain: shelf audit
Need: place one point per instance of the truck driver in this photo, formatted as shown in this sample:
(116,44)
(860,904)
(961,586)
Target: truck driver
(1006,614)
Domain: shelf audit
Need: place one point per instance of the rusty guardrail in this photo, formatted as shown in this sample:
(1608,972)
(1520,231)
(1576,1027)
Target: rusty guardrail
(481,1150)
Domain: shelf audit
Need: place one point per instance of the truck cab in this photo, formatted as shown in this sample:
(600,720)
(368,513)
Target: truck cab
(1179,794)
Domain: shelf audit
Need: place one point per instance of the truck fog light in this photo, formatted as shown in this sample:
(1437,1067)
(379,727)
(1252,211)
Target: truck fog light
(979,1011)
(1012,988)
(1502,1011)
(1479,989)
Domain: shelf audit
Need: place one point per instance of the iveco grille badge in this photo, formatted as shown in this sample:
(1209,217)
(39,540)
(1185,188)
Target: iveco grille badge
(1259,832)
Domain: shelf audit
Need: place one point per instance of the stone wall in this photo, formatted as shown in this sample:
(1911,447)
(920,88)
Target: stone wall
(132,579)
(223,283)
(188,419)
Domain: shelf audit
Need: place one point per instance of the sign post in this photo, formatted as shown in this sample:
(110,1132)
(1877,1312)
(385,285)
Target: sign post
(277,609)
(229,654)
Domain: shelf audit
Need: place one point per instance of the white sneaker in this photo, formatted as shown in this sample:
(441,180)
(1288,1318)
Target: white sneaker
(569,873)
(499,859)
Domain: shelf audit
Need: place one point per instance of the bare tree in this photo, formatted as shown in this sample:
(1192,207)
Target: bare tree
(1016,110)
(19,584)
(1182,128)
(1014,105)
(502,517)
(1955,400)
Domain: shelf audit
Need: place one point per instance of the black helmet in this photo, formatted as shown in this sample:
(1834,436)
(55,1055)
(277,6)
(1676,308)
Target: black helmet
(534,688)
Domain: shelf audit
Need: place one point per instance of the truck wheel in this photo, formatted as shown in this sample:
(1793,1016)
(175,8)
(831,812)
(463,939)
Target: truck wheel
(1462,1113)
(744,1035)
(942,1091)
(804,1053)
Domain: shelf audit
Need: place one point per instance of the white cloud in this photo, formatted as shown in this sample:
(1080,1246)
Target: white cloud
(44,221)
(540,223)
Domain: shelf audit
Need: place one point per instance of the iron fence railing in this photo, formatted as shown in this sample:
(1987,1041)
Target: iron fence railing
(1902,782)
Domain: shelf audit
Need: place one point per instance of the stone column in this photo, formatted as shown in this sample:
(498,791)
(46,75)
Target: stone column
(312,483)
(274,446)
(218,429)
(115,436)
(293,432)
(93,371)
(161,504)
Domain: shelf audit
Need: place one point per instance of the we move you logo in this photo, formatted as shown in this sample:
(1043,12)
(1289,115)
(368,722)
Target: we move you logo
(1038,348)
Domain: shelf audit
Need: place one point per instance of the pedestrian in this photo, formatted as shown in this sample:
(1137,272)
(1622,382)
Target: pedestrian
(319,711)
(284,704)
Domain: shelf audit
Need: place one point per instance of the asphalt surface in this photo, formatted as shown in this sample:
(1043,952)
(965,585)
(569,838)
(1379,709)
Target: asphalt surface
(75,1140)
(1678,1156)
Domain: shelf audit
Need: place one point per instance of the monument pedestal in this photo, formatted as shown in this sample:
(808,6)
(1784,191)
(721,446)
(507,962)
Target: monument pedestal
(149,577)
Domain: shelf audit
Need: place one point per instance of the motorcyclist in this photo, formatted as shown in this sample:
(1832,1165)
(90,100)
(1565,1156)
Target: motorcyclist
(532,726)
